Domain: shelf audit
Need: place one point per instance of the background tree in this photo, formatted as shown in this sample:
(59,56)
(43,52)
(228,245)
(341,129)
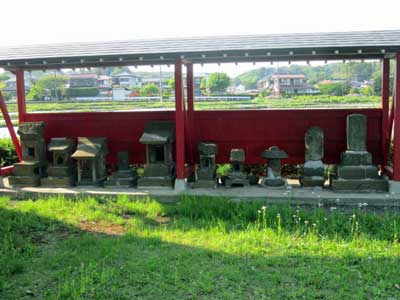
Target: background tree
(48,84)
(171,83)
(334,88)
(149,90)
(203,86)
(218,82)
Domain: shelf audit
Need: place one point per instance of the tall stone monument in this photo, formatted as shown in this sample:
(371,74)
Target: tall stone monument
(355,171)
(158,137)
(34,164)
(91,160)
(62,171)
(274,155)
(313,169)
(124,176)
(237,177)
(205,174)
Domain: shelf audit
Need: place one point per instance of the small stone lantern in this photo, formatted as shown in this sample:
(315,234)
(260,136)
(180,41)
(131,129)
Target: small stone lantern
(274,168)
(124,176)
(158,137)
(236,176)
(61,173)
(34,164)
(90,156)
(205,174)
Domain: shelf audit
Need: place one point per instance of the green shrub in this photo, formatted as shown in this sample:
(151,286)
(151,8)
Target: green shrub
(8,156)
(82,92)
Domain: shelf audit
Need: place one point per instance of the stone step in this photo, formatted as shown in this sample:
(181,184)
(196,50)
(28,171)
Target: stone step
(58,181)
(26,168)
(356,158)
(59,171)
(357,172)
(27,181)
(359,185)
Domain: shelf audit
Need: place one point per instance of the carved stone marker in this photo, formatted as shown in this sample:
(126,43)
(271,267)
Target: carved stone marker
(91,164)
(124,176)
(313,169)
(62,172)
(158,137)
(205,174)
(33,167)
(356,172)
(236,176)
(274,167)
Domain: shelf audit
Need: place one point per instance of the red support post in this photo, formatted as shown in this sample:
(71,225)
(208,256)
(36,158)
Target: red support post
(190,111)
(396,127)
(385,91)
(10,127)
(21,95)
(179,122)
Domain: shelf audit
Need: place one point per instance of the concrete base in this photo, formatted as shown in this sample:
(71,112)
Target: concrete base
(180,185)
(155,181)
(312,181)
(202,183)
(33,180)
(274,182)
(58,181)
(360,185)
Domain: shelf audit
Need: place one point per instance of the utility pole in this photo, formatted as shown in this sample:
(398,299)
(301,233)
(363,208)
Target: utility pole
(161,86)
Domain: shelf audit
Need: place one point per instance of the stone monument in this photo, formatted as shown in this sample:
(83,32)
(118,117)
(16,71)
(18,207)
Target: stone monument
(62,171)
(91,160)
(158,137)
(205,174)
(274,167)
(237,177)
(313,169)
(355,171)
(34,164)
(124,176)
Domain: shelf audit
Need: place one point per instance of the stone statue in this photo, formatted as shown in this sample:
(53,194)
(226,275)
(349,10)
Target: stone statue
(205,174)
(237,177)
(124,176)
(313,169)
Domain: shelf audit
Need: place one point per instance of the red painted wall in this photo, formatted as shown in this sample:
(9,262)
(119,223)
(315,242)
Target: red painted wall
(253,130)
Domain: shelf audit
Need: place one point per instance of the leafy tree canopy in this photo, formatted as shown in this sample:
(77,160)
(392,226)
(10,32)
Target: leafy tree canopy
(218,82)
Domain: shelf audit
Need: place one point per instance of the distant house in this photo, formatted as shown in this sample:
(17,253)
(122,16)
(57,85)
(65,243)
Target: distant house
(105,82)
(11,85)
(286,83)
(127,80)
(83,80)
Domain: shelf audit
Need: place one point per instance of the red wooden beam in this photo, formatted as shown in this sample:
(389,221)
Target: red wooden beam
(21,95)
(385,109)
(190,111)
(10,127)
(396,127)
(179,122)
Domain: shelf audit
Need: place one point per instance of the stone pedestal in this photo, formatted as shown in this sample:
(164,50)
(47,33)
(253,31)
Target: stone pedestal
(33,167)
(205,174)
(62,171)
(274,167)
(124,176)
(356,173)
(237,177)
(313,169)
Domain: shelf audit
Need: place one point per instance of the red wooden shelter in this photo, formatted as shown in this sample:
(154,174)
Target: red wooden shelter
(252,130)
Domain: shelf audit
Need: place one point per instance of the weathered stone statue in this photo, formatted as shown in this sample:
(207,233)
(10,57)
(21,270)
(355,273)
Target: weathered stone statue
(205,174)
(274,168)
(62,172)
(313,169)
(158,137)
(124,176)
(91,160)
(356,172)
(236,176)
(34,164)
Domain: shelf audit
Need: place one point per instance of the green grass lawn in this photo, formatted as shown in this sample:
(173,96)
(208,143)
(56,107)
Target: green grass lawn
(198,248)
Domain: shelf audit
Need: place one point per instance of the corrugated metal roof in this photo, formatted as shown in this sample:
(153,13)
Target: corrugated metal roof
(332,45)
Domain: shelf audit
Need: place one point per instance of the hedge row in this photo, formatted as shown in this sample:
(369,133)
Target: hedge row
(82,92)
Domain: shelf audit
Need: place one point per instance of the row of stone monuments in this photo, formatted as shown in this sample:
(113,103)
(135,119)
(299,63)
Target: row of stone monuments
(354,173)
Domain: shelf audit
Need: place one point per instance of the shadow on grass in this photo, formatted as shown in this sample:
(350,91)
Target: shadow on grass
(44,258)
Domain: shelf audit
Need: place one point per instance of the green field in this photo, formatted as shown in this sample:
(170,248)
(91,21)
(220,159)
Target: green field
(199,248)
(256,103)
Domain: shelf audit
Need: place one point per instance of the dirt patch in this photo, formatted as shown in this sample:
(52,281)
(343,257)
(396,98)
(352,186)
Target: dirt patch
(109,229)
(162,220)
